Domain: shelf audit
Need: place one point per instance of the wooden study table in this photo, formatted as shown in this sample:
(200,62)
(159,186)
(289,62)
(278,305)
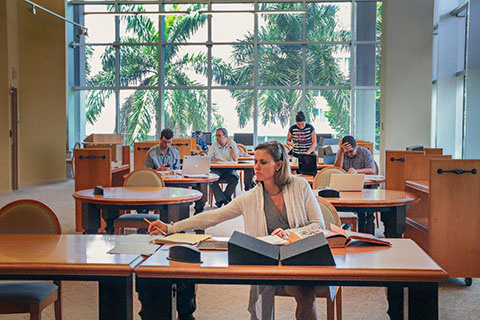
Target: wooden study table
(199,184)
(73,257)
(132,198)
(404,264)
(391,203)
(368,182)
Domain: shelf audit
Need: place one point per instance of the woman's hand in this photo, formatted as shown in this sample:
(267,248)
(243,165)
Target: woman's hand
(280,232)
(156,226)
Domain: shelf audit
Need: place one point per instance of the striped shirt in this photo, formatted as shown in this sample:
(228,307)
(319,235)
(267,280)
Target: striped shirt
(302,138)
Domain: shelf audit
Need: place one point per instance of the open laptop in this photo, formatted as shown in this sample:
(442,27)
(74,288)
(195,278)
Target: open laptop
(196,166)
(347,182)
(307,164)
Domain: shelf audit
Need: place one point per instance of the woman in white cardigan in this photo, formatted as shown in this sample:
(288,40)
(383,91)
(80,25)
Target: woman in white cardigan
(279,203)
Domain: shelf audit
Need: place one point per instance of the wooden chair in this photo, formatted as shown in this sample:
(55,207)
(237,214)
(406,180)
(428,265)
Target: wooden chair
(330,216)
(29,217)
(143,177)
(71,160)
(242,149)
(322,180)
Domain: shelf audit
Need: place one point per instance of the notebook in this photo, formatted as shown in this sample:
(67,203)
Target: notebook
(347,182)
(196,166)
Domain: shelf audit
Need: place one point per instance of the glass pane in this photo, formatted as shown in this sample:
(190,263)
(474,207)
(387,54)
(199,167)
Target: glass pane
(232,65)
(234,110)
(101,28)
(366,21)
(138,115)
(185,111)
(138,65)
(186,65)
(366,114)
(139,28)
(100,111)
(186,28)
(280,65)
(100,65)
(328,65)
(366,65)
(333,109)
(232,27)
(328,22)
(281,26)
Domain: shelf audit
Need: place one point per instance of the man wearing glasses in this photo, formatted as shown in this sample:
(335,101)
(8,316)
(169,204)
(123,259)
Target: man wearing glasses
(224,150)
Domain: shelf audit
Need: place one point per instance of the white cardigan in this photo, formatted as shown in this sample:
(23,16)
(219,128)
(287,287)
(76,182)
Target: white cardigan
(303,211)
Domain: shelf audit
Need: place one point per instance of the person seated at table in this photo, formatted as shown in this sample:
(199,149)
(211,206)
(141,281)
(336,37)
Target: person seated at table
(200,141)
(353,158)
(224,150)
(163,156)
(278,203)
(301,136)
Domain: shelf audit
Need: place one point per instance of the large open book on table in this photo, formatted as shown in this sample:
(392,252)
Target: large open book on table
(339,238)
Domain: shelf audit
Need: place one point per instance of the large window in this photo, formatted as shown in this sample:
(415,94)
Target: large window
(248,66)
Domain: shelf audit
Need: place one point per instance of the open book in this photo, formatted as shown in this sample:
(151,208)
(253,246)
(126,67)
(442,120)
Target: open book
(339,238)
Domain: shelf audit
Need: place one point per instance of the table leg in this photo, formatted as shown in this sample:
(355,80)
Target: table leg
(395,222)
(423,301)
(109,215)
(115,298)
(200,203)
(90,218)
(154,295)
(395,301)
(178,211)
(370,225)
(248,178)
(361,222)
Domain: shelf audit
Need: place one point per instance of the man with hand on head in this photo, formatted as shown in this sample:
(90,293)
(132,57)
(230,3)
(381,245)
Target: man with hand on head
(163,156)
(353,158)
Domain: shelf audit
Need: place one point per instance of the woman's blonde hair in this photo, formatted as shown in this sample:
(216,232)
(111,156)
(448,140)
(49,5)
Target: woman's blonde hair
(283,176)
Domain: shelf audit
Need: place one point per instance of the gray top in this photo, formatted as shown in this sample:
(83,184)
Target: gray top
(362,159)
(156,158)
(221,154)
(275,218)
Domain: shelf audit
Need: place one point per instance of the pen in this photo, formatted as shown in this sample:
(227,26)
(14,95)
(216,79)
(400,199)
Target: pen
(161,231)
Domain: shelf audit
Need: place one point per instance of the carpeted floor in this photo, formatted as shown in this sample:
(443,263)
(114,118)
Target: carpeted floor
(230,302)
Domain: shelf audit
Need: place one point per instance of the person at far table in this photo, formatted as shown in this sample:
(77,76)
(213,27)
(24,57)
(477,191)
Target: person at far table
(163,156)
(224,150)
(200,141)
(353,158)
(301,136)
(278,204)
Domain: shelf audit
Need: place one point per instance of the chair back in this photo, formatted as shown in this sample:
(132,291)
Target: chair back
(322,179)
(144,177)
(330,214)
(28,216)
(242,149)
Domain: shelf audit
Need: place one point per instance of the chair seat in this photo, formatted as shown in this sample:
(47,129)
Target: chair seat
(137,217)
(25,292)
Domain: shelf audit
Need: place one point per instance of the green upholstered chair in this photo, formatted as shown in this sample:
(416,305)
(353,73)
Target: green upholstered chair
(29,217)
(144,177)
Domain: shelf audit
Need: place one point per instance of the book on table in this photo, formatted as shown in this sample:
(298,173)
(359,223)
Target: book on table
(339,238)
(181,238)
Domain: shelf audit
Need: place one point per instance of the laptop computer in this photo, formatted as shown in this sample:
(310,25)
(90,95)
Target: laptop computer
(196,166)
(347,182)
(307,164)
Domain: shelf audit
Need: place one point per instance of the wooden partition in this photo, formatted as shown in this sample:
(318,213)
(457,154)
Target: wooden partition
(433,150)
(454,225)
(140,150)
(394,168)
(366,144)
(184,146)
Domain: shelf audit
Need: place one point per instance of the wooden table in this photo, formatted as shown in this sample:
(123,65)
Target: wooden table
(73,257)
(368,182)
(391,203)
(405,264)
(200,184)
(132,198)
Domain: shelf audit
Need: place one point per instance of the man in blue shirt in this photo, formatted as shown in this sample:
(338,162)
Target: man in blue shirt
(353,158)
(200,141)
(224,150)
(163,156)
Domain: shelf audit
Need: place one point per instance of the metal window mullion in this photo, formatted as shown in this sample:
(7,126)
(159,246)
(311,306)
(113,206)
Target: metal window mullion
(304,58)
(353,67)
(161,75)
(209,70)
(255,74)
(117,72)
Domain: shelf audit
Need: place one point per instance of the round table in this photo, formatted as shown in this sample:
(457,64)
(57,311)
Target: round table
(132,198)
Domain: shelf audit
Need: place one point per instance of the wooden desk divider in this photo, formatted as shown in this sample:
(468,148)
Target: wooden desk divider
(433,150)
(394,168)
(366,144)
(140,150)
(104,140)
(454,225)
(184,146)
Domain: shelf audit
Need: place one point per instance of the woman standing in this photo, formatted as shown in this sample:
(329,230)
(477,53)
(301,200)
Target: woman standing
(301,136)
(279,203)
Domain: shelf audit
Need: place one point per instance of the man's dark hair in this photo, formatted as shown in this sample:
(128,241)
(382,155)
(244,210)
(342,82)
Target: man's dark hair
(224,131)
(300,117)
(350,140)
(198,132)
(167,133)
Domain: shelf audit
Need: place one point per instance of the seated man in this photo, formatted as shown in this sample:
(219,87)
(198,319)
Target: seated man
(200,141)
(353,158)
(163,156)
(224,150)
